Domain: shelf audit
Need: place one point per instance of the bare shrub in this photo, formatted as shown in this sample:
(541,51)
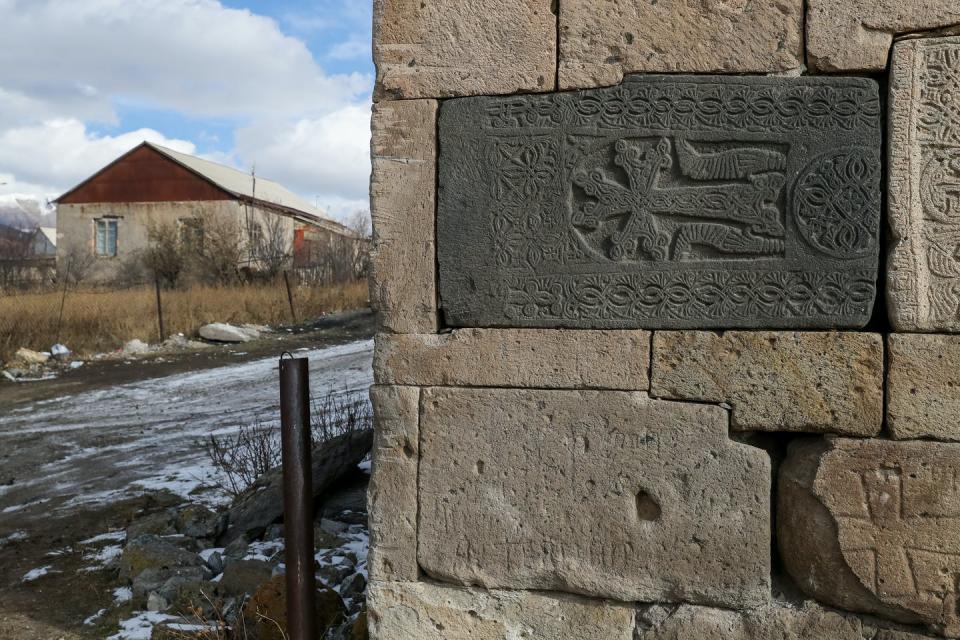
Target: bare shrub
(270,248)
(215,258)
(164,255)
(255,449)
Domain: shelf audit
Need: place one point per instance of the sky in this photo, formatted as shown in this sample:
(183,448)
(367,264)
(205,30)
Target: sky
(280,85)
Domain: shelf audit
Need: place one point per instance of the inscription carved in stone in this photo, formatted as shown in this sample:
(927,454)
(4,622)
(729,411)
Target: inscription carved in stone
(874,526)
(604,493)
(663,202)
(924,188)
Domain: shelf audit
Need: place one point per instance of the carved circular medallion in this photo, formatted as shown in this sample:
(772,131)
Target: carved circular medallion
(836,202)
(940,185)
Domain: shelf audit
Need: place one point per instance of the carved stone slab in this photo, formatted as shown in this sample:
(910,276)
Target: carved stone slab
(665,202)
(923,280)
(874,526)
(603,493)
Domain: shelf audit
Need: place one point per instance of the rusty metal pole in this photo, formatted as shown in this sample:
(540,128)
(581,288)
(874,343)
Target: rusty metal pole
(286,280)
(297,497)
(159,311)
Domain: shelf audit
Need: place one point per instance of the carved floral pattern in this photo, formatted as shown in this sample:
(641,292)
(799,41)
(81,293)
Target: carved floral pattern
(837,202)
(717,295)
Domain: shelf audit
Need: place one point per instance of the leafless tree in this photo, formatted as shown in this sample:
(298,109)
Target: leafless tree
(271,248)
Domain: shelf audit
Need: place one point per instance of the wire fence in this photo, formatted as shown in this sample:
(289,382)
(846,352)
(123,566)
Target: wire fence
(93,319)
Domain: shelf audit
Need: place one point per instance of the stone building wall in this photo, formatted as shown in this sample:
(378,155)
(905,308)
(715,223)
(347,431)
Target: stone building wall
(667,293)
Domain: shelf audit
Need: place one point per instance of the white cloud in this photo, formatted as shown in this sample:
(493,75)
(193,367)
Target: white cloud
(354,48)
(50,157)
(327,156)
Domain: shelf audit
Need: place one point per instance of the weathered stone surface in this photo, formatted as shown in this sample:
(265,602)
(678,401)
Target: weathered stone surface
(448,48)
(923,386)
(923,273)
(874,526)
(402,202)
(666,202)
(542,358)
(421,611)
(392,493)
(777,381)
(775,621)
(605,493)
(600,41)
(855,35)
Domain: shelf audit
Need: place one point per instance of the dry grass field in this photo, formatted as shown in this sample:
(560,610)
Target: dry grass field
(99,321)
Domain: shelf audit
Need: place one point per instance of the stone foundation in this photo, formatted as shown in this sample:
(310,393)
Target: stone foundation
(634,378)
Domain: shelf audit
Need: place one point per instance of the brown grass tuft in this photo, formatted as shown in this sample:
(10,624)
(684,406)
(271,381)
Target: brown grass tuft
(98,321)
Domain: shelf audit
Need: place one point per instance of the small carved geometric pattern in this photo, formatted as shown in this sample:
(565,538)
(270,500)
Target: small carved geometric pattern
(836,202)
(690,294)
(699,105)
(939,108)
(525,168)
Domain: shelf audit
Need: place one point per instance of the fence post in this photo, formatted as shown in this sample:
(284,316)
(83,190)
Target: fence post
(63,299)
(297,496)
(286,280)
(163,336)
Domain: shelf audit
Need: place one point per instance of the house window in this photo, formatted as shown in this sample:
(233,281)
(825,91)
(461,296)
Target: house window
(191,233)
(106,237)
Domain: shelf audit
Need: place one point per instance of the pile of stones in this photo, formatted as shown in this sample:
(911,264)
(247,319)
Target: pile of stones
(666,357)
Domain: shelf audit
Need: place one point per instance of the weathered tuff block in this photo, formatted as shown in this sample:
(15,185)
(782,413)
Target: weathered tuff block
(423,611)
(923,276)
(392,493)
(775,621)
(874,526)
(855,35)
(448,48)
(604,493)
(402,206)
(668,202)
(600,41)
(923,386)
(541,358)
(776,381)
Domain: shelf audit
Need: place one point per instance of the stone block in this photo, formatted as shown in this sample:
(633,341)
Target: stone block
(665,202)
(402,206)
(392,492)
(923,386)
(601,493)
(446,48)
(422,611)
(542,358)
(923,274)
(855,35)
(821,382)
(601,41)
(874,526)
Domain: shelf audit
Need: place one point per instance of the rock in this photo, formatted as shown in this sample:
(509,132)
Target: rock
(775,621)
(422,611)
(358,630)
(402,187)
(333,527)
(600,42)
(855,35)
(161,523)
(60,352)
(923,386)
(265,613)
(157,603)
(262,504)
(221,332)
(924,165)
(135,347)
(215,563)
(245,576)
(152,552)
(543,358)
(392,493)
(693,205)
(777,381)
(353,586)
(197,521)
(237,548)
(324,539)
(274,532)
(603,493)
(334,574)
(188,596)
(873,526)
(347,499)
(28,356)
(445,48)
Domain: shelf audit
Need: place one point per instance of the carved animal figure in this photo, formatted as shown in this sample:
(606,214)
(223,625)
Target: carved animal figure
(727,165)
(724,239)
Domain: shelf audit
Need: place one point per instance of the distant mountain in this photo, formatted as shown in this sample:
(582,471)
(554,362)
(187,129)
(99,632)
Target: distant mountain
(26,212)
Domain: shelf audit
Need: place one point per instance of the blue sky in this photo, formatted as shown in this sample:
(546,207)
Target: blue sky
(279,84)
